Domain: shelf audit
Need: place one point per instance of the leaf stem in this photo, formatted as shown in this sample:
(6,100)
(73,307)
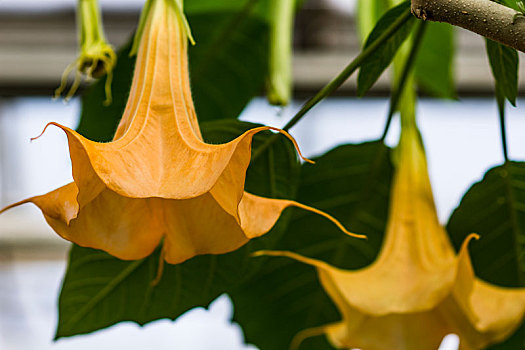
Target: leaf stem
(407,69)
(501,111)
(337,81)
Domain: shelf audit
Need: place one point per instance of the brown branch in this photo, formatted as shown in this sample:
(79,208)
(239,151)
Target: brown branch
(485,17)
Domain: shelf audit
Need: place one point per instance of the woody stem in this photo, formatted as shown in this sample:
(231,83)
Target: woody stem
(484,17)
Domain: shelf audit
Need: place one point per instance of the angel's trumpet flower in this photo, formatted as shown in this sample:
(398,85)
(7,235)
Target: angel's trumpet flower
(418,290)
(96,57)
(158,178)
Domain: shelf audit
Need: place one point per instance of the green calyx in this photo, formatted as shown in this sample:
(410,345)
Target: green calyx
(174,4)
(96,57)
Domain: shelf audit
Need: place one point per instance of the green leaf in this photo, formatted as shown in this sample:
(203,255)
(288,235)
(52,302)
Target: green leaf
(351,182)
(513,4)
(229,64)
(99,122)
(259,7)
(372,69)
(495,209)
(100,290)
(227,68)
(504,62)
(435,61)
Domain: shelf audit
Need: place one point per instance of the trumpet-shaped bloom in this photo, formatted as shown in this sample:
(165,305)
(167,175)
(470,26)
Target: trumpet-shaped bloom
(158,179)
(418,290)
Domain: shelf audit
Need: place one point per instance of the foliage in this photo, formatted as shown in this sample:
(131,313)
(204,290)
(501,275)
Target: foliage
(100,290)
(228,67)
(381,59)
(504,62)
(285,295)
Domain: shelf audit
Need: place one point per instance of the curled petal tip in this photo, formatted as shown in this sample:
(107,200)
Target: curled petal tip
(3,210)
(280,253)
(470,237)
(300,337)
(357,235)
(43,131)
(258,253)
(291,138)
(331,218)
(473,236)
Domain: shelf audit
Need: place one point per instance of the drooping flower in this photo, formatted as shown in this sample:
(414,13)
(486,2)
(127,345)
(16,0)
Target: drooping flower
(96,57)
(158,179)
(418,290)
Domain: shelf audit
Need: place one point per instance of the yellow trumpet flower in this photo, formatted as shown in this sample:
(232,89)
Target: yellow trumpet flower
(418,290)
(158,179)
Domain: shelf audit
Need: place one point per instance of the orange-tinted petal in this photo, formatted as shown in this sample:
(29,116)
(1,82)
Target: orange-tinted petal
(126,228)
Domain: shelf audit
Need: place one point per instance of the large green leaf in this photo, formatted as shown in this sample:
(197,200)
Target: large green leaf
(229,64)
(375,65)
(504,62)
(228,67)
(99,122)
(100,290)
(352,183)
(435,61)
(495,209)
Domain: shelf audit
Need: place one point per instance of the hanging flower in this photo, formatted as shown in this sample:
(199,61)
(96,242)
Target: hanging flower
(96,58)
(158,179)
(418,290)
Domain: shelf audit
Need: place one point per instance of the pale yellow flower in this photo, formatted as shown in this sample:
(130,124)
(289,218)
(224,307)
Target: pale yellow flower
(158,179)
(418,290)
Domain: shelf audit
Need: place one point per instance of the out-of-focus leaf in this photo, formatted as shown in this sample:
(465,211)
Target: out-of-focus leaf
(372,69)
(435,61)
(228,68)
(99,122)
(229,64)
(504,62)
(513,4)
(257,7)
(100,290)
(352,183)
(495,209)
(368,13)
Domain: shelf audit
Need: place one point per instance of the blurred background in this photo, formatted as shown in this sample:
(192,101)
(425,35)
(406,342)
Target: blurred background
(38,40)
